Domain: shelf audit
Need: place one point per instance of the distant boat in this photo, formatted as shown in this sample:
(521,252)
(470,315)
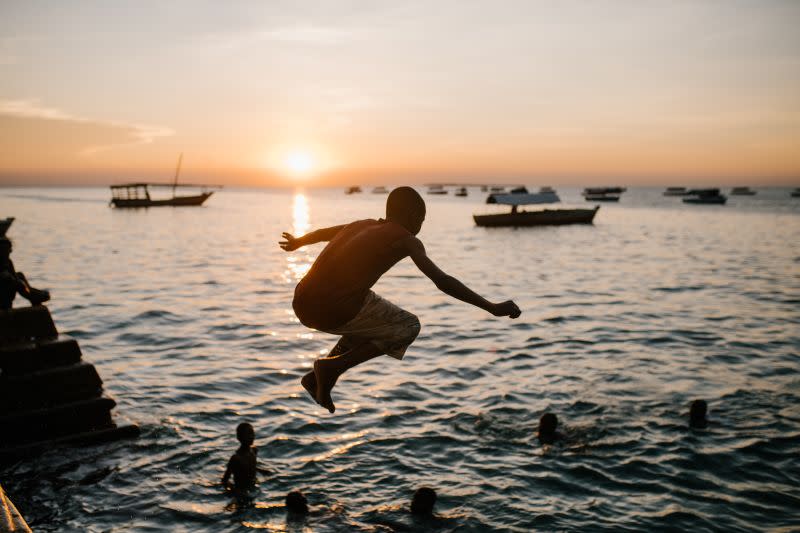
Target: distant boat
(497,189)
(484,188)
(705,196)
(546,217)
(5,223)
(676,191)
(138,194)
(742,191)
(437,189)
(796,193)
(603,194)
(546,190)
(353,190)
(380,190)
(461,191)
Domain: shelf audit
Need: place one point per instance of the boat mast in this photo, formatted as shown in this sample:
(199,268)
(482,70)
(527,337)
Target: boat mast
(177,171)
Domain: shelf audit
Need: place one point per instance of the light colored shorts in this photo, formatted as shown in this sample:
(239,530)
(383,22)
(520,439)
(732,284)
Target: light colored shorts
(382,323)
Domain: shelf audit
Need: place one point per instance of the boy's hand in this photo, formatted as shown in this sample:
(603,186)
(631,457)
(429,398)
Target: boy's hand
(290,243)
(507,308)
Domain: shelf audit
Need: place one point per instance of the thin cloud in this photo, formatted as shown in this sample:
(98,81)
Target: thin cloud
(32,108)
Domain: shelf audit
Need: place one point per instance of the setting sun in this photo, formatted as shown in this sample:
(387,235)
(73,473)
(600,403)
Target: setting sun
(300,163)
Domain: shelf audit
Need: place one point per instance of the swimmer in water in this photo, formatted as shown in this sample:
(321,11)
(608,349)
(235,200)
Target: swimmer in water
(697,414)
(548,425)
(423,501)
(242,464)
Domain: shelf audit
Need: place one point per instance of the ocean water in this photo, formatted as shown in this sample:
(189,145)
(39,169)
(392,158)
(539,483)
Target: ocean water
(187,315)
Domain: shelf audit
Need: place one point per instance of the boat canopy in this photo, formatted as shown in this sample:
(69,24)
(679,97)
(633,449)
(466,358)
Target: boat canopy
(525,198)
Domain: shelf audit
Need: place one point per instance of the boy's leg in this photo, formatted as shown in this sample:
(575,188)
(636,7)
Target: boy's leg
(342,348)
(309,381)
(328,369)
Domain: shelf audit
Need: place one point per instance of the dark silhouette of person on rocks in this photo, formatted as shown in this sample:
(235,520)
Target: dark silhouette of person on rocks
(335,295)
(13,282)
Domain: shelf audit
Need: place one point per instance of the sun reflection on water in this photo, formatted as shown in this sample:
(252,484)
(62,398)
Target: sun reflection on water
(299,261)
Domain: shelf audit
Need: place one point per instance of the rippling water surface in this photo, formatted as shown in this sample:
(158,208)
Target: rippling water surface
(187,315)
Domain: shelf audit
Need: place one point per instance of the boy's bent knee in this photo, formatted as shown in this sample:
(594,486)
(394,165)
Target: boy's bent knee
(414,327)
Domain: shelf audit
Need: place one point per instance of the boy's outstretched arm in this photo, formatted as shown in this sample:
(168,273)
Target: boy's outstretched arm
(291,242)
(450,285)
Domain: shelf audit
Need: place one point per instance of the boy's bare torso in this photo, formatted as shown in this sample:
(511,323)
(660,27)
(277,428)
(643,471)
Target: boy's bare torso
(333,290)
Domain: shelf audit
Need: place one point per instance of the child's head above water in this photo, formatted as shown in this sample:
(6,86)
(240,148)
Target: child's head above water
(296,502)
(423,501)
(245,434)
(406,207)
(697,414)
(547,428)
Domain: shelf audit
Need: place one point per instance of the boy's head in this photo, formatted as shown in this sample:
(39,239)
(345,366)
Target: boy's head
(423,501)
(245,434)
(296,502)
(547,427)
(697,414)
(406,207)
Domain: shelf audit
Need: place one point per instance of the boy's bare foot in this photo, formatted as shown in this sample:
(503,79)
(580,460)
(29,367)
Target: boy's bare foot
(326,373)
(309,382)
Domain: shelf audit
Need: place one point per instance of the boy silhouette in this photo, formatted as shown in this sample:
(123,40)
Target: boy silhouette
(335,296)
(243,464)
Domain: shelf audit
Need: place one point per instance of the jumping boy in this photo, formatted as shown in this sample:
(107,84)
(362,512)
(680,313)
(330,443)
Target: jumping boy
(335,296)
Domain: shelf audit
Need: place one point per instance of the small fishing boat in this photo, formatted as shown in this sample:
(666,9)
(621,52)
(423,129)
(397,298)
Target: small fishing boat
(496,189)
(676,191)
(545,217)
(353,190)
(5,223)
(705,196)
(461,191)
(742,191)
(380,190)
(796,193)
(603,194)
(546,190)
(437,189)
(138,194)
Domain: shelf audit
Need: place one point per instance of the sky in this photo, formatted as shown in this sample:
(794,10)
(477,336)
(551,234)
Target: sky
(331,93)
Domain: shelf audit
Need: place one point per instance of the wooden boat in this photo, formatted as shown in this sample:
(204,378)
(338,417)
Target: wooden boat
(138,194)
(546,217)
(5,223)
(603,194)
(705,196)
(601,197)
(742,191)
(676,191)
(461,191)
(353,190)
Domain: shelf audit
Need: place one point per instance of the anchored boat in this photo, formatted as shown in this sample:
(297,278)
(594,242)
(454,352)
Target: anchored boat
(705,196)
(676,191)
(545,217)
(138,194)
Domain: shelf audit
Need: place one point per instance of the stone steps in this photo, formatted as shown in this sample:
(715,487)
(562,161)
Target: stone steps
(49,396)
